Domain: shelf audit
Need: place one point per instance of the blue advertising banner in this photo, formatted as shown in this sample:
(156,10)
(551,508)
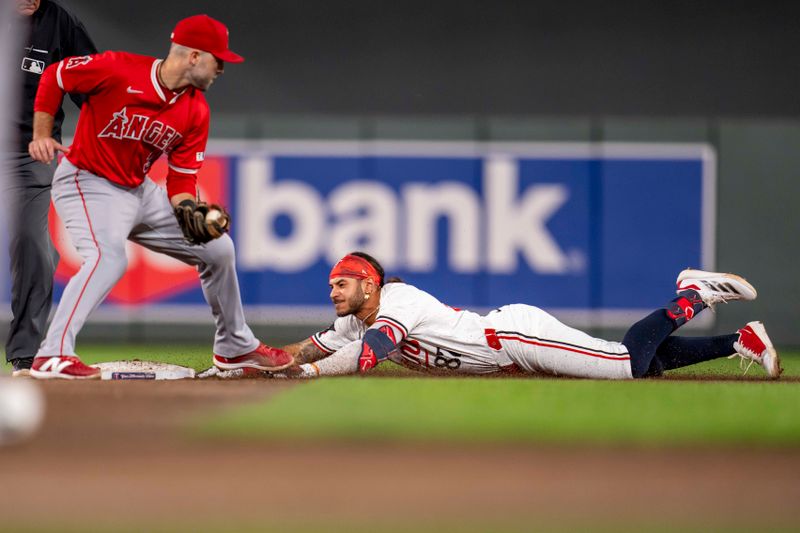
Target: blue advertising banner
(595,233)
(582,228)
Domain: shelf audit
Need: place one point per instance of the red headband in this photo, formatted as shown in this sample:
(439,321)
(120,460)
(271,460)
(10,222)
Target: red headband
(352,266)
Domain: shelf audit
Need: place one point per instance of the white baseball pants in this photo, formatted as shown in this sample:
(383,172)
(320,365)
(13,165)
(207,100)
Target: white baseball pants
(538,343)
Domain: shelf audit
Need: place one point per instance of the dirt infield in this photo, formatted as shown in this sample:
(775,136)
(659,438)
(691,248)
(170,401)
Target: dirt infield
(114,453)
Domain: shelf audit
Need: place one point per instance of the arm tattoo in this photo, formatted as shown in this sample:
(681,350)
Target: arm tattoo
(305,352)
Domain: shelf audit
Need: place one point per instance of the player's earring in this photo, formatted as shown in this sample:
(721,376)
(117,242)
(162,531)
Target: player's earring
(366,296)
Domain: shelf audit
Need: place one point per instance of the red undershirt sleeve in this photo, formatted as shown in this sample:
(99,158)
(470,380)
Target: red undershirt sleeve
(181,182)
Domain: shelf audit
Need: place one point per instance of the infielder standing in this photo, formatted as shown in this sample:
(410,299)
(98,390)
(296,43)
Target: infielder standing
(397,321)
(51,33)
(137,109)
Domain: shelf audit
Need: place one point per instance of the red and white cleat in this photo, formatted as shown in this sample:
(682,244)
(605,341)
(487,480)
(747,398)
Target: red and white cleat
(715,287)
(62,367)
(262,358)
(754,345)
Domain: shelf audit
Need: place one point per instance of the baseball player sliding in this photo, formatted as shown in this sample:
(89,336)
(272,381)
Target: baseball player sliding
(137,109)
(379,321)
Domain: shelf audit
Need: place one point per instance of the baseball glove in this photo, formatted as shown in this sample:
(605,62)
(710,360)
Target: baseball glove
(202,222)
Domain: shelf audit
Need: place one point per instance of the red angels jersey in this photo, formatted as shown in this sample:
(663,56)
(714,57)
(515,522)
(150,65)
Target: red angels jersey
(429,334)
(129,119)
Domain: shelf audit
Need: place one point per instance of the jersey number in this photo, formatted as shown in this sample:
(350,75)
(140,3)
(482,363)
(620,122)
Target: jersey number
(442,359)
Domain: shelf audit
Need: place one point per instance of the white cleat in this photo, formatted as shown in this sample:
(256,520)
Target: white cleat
(754,345)
(716,287)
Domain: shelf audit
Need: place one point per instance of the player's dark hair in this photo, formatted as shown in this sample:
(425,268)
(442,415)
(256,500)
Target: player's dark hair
(374,262)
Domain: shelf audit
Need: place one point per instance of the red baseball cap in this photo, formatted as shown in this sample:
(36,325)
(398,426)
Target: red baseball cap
(207,34)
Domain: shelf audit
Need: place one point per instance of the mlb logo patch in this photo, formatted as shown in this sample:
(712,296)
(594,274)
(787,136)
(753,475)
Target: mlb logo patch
(32,65)
(200,156)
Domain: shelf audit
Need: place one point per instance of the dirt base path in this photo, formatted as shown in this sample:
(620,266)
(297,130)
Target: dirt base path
(112,454)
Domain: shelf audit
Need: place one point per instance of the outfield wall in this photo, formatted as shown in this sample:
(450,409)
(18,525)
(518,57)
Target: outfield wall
(554,57)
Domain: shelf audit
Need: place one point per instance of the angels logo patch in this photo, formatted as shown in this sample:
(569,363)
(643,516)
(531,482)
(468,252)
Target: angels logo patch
(73,62)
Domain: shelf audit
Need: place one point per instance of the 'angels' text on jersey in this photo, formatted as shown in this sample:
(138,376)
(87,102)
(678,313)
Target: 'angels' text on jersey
(162,137)
(140,127)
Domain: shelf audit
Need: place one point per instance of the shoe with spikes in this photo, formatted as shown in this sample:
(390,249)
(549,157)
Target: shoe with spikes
(715,287)
(62,367)
(262,358)
(754,345)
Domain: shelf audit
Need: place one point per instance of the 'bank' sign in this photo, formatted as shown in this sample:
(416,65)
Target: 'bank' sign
(584,230)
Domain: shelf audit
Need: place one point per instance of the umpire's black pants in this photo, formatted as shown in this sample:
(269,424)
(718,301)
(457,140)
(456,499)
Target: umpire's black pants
(33,257)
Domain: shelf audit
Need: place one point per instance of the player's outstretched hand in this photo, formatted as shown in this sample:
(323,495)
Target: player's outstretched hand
(45,149)
(202,222)
(236,373)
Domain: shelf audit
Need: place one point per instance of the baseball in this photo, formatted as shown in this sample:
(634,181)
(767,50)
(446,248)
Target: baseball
(21,410)
(213,216)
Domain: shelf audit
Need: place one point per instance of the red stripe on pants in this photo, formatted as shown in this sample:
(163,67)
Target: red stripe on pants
(86,283)
(546,345)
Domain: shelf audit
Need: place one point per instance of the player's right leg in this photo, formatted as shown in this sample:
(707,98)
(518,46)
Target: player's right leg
(235,345)
(98,216)
(715,287)
(649,342)
(698,289)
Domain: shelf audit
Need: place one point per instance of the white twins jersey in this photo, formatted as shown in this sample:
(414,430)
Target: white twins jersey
(430,335)
(434,337)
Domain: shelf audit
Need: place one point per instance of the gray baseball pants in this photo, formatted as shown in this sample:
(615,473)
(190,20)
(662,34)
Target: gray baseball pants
(33,257)
(100,216)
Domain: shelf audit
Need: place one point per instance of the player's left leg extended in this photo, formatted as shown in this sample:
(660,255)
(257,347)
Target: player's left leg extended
(653,350)
(751,343)
(215,262)
(235,346)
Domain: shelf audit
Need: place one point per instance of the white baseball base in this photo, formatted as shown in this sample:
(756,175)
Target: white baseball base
(124,370)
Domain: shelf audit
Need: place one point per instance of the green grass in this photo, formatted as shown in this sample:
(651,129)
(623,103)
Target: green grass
(193,356)
(524,410)
(663,412)
(790,361)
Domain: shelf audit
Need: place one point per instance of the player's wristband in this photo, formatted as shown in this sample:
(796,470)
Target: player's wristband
(310,370)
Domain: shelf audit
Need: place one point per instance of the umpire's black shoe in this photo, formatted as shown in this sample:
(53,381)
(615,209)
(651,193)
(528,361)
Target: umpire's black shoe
(22,367)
